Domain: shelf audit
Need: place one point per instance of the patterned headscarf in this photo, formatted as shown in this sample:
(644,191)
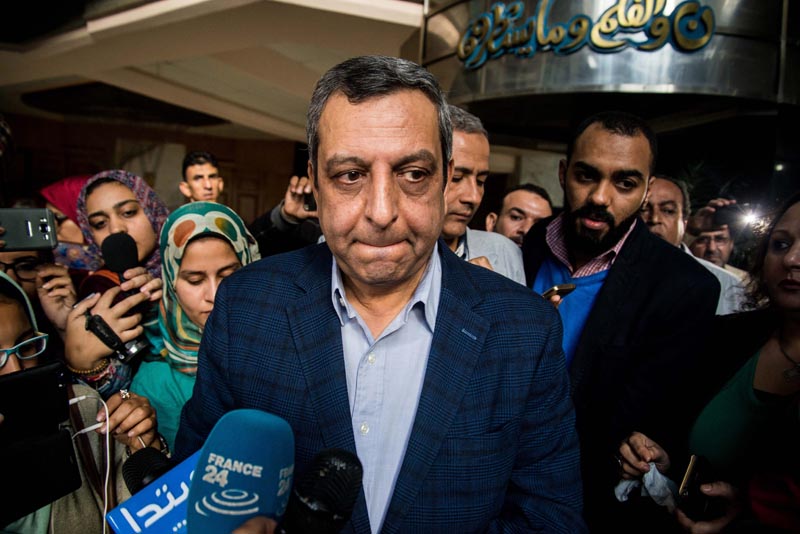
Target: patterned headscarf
(181,336)
(154,208)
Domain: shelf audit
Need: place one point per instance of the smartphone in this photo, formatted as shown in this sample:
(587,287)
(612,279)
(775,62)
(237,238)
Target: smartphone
(694,503)
(309,202)
(28,229)
(561,290)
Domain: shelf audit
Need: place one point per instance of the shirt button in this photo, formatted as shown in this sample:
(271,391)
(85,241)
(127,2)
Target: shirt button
(364,429)
(371,357)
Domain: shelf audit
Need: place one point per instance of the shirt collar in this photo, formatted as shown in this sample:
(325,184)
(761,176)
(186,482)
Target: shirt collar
(426,293)
(556,241)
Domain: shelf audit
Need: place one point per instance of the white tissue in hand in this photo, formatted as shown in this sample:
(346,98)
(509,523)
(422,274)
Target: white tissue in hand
(661,489)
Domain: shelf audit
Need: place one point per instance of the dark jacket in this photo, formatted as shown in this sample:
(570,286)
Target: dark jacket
(637,354)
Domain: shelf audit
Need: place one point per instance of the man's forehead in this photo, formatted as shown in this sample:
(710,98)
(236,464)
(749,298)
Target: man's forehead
(598,139)
(667,190)
(713,233)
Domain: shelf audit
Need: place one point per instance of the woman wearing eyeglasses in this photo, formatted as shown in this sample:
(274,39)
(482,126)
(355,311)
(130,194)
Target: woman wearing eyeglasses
(131,421)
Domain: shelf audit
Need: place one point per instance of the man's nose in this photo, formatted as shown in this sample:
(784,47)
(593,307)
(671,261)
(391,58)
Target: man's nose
(471,192)
(381,201)
(207,183)
(602,193)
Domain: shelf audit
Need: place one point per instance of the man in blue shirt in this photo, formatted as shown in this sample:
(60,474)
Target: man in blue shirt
(632,325)
(446,379)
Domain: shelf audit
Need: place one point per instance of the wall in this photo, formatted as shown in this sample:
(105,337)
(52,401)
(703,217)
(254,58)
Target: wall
(256,171)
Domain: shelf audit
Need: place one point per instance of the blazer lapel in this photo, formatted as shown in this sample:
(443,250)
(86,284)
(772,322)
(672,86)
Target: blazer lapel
(458,340)
(318,337)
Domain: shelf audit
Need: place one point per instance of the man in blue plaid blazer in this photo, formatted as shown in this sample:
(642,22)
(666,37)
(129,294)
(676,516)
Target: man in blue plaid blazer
(468,424)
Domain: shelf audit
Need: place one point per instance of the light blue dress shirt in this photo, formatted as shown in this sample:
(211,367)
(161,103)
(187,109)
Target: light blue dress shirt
(384,382)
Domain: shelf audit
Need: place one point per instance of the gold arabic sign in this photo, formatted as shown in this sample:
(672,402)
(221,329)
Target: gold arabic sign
(639,24)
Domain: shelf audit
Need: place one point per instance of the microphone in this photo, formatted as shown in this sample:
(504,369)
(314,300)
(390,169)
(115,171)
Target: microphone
(245,469)
(324,497)
(120,254)
(143,467)
(159,507)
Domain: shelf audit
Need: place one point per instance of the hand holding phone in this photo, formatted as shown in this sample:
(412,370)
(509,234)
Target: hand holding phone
(691,500)
(560,290)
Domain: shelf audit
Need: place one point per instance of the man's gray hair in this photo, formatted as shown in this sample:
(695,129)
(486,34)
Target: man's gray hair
(365,77)
(464,121)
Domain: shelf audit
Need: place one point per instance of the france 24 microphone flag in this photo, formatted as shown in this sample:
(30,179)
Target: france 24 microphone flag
(245,469)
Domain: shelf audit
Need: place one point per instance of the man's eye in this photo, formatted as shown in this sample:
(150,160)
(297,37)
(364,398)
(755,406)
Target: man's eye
(626,185)
(779,245)
(516,218)
(456,178)
(669,211)
(415,175)
(349,176)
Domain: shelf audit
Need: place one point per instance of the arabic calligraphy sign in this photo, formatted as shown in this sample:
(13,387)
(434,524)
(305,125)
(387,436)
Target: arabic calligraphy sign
(638,24)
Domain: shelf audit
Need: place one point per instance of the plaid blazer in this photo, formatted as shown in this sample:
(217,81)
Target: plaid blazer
(493,446)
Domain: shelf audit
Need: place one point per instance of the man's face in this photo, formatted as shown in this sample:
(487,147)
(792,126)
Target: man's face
(464,190)
(605,184)
(521,209)
(715,247)
(378,186)
(201,182)
(663,211)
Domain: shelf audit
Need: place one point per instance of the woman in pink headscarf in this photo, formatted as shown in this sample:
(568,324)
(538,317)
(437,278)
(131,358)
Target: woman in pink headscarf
(72,250)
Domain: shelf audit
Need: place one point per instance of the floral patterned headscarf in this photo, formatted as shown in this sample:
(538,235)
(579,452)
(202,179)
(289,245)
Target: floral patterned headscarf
(154,208)
(181,336)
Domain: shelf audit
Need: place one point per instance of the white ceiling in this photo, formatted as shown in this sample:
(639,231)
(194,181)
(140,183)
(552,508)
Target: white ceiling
(251,62)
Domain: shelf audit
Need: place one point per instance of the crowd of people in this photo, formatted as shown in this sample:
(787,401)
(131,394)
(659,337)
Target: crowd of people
(378,321)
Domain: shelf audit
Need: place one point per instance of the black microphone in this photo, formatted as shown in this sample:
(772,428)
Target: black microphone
(143,467)
(323,499)
(120,254)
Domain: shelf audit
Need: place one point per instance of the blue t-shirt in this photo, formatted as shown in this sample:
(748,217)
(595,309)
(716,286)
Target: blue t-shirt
(575,307)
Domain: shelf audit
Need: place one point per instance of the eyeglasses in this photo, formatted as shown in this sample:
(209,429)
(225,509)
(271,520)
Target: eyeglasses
(28,349)
(24,268)
(717,239)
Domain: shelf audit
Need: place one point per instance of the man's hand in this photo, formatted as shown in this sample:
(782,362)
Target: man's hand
(293,201)
(703,219)
(56,294)
(257,525)
(722,490)
(636,453)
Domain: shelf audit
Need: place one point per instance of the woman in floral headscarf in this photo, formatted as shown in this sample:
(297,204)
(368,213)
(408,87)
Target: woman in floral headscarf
(114,202)
(202,243)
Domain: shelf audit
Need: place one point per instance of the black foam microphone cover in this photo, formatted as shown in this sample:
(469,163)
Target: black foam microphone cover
(143,467)
(323,498)
(120,253)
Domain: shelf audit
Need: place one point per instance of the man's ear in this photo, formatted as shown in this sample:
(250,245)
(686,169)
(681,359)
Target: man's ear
(562,172)
(185,189)
(491,220)
(221,184)
(312,178)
